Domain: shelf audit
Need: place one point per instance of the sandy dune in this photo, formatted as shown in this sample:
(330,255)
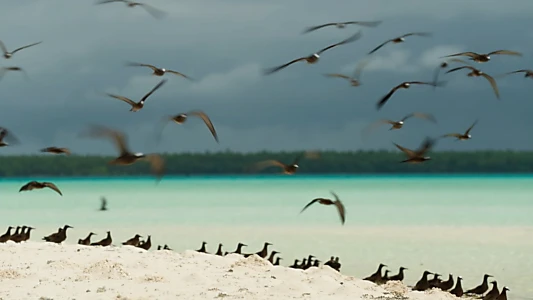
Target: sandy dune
(35,270)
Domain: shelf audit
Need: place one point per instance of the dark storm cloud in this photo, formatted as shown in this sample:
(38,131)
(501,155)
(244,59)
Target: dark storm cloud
(225,44)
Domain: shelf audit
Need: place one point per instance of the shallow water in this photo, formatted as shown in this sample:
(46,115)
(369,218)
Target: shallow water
(460,224)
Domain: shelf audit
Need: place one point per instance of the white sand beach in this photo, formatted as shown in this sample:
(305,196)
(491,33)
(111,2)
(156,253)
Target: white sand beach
(36,270)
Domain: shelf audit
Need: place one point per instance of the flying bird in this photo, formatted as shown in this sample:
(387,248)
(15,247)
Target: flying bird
(354,80)
(399,39)
(325,201)
(399,124)
(287,169)
(158,71)
(35,185)
(313,58)
(181,118)
(417,156)
(8,54)
(126,157)
(445,65)
(404,85)
(462,136)
(341,25)
(476,73)
(136,106)
(527,73)
(7,136)
(481,58)
(103,204)
(4,70)
(156,13)
(56,150)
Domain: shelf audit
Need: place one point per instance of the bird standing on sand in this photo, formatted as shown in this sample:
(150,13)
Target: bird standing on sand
(239,248)
(105,241)
(32,185)
(146,245)
(158,71)
(398,277)
(481,58)
(341,25)
(503,294)
(271,257)
(202,249)
(58,237)
(219,250)
(136,106)
(476,73)
(419,155)
(181,118)
(400,39)
(134,241)
(18,236)
(5,237)
(86,241)
(56,150)
(435,281)
(448,284)
(493,293)
(8,54)
(263,253)
(377,275)
(156,13)
(325,201)
(458,289)
(295,264)
(287,169)
(462,136)
(277,262)
(313,58)
(482,288)
(403,85)
(103,204)
(423,283)
(126,157)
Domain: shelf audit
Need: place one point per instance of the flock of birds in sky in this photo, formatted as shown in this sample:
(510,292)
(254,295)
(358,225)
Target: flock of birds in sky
(127,157)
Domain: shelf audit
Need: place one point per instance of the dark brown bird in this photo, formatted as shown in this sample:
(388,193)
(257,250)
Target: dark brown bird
(103,204)
(287,169)
(51,236)
(527,73)
(418,155)
(263,253)
(136,106)
(56,150)
(462,136)
(181,118)
(435,281)
(458,289)
(399,276)
(295,264)
(58,237)
(336,265)
(156,13)
(503,294)
(277,262)
(134,241)
(403,85)
(104,242)
(166,247)
(17,232)
(448,284)
(7,136)
(377,275)
(493,293)
(482,288)
(423,283)
(26,235)
(86,241)
(146,245)
(8,54)
(341,25)
(18,236)
(354,80)
(481,58)
(316,263)
(158,71)
(39,185)
(126,157)
(239,248)
(202,249)
(325,201)
(4,70)
(5,237)
(219,250)
(330,262)
(384,278)
(313,58)
(271,257)
(445,65)
(399,123)
(399,39)
(476,73)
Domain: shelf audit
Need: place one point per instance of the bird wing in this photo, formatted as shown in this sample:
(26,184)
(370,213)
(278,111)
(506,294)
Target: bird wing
(154,89)
(338,75)
(206,120)
(3,47)
(352,38)
(116,136)
(311,203)
(340,207)
(364,23)
(24,47)
(520,71)
(370,128)
(379,46)
(421,83)
(109,1)
(180,74)
(424,116)
(313,28)
(408,152)
(492,83)
(427,144)
(65,150)
(134,64)
(359,69)
(26,186)
(460,68)
(6,134)
(506,52)
(416,33)
(157,165)
(457,135)
(469,53)
(470,128)
(53,187)
(156,13)
(275,69)
(386,97)
(125,99)
(267,163)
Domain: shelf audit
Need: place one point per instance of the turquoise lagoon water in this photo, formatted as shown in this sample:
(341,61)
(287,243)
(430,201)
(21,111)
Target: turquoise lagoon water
(466,225)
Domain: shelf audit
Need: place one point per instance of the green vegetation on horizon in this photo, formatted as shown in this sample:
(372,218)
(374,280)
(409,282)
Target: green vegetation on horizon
(220,163)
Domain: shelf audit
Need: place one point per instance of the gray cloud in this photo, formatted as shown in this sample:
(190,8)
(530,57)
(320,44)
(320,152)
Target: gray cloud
(226,44)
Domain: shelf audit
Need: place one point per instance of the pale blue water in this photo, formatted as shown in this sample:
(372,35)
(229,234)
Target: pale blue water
(467,225)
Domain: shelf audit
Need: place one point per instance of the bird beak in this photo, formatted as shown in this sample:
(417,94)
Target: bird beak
(244,245)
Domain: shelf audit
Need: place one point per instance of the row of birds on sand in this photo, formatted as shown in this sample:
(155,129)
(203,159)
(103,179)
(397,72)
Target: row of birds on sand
(380,277)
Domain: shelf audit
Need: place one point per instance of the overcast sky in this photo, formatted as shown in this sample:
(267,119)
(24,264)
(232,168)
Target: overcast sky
(225,45)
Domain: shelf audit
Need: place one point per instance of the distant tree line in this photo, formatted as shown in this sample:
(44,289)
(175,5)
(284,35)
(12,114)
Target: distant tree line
(330,162)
